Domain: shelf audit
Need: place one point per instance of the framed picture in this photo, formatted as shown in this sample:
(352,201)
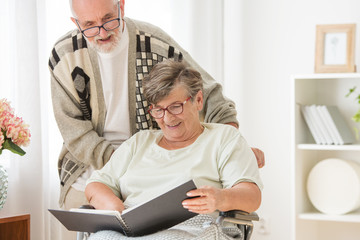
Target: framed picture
(335,46)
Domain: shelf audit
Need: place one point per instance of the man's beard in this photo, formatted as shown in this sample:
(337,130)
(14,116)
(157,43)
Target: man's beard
(108,47)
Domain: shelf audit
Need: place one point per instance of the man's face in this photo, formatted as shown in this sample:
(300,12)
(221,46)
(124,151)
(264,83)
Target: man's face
(92,13)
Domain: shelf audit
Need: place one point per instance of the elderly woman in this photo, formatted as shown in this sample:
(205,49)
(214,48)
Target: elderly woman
(154,161)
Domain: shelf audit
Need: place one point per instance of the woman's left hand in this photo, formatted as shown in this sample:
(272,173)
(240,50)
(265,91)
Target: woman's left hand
(206,200)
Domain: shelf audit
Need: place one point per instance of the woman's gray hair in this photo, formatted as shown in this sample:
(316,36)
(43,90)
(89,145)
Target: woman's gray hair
(72,9)
(167,75)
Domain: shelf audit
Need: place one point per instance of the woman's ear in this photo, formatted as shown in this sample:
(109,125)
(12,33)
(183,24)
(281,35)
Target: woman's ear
(199,99)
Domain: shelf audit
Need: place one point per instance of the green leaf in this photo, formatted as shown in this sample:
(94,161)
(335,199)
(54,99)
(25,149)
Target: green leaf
(351,90)
(9,145)
(356,117)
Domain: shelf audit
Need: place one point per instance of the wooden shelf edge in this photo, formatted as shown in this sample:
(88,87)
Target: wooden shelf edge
(14,218)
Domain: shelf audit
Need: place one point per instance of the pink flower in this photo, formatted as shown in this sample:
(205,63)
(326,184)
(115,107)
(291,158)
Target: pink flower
(13,131)
(18,132)
(5,106)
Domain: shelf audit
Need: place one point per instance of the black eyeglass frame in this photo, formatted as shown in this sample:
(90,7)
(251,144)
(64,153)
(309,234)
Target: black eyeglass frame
(118,19)
(167,109)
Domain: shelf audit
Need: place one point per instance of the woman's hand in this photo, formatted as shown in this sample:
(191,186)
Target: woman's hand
(100,196)
(206,200)
(245,196)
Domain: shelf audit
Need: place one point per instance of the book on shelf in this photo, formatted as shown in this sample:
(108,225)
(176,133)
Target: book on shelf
(339,125)
(326,139)
(311,124)
(154,215)
(327,125)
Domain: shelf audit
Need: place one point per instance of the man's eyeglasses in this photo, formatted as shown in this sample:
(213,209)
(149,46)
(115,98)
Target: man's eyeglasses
(175,109)
(108,26)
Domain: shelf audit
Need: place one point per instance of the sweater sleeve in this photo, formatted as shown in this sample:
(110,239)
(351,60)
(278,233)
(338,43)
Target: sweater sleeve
(217,108)
(79,135)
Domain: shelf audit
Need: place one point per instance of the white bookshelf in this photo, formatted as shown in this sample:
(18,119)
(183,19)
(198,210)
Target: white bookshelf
(320,89)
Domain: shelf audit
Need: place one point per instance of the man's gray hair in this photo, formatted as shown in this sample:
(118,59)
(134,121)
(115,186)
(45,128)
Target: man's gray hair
(167,75)
(72,9)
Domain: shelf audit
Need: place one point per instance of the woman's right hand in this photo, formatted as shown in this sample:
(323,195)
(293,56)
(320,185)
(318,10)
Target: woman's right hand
(100,196)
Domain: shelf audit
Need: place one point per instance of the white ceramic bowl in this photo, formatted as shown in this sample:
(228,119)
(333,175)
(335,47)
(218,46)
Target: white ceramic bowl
(333,186)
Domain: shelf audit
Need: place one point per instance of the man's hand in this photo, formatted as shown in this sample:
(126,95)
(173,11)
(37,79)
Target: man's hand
(260,158)
(233,124)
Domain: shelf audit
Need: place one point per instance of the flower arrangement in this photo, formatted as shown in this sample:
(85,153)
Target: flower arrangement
(13,131)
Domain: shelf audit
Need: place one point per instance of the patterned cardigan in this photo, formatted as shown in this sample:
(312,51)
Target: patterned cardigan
(78,100)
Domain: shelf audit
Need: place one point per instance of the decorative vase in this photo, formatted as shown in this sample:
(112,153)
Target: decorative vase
(3,186)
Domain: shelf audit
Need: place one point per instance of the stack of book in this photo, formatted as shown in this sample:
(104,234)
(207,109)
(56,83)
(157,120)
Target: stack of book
(327,125)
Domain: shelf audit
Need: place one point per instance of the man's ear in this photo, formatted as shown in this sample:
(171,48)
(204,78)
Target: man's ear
(122,5)
(74,21)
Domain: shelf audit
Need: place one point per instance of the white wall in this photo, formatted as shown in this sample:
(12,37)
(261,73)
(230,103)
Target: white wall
(278,38)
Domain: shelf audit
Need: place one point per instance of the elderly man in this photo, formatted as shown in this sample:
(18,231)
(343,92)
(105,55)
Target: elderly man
(96,82)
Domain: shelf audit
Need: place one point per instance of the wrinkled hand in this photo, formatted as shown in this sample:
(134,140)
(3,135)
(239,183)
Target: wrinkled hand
(116,205)
(260,157)
(206,200)
(102,197)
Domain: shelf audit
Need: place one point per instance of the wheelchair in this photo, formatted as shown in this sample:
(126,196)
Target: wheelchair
(243,221)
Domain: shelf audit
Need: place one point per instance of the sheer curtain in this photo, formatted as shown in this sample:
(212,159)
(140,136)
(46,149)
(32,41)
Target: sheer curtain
(30,28)
(20,83)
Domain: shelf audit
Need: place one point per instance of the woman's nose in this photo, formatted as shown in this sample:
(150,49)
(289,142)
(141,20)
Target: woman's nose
(168,116)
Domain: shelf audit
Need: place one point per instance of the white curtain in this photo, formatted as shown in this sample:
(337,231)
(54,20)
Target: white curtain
(33,182)
(30,28)
(20,83)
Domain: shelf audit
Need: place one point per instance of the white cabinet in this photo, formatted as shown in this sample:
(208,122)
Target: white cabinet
(322,89)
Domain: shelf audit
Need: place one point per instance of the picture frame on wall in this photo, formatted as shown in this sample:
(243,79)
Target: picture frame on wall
(335,48)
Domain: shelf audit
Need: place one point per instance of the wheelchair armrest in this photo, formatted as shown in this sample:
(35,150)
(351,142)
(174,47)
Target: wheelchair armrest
(238,217)
(241,215)
(83,235)
(87,206)
(241,218)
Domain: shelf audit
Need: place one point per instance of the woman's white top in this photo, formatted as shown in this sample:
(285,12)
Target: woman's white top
(140,169)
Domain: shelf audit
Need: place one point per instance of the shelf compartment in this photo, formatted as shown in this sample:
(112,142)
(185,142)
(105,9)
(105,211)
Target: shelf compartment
(320,89)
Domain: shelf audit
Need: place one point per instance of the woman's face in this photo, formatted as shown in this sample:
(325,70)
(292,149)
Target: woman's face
(181,127)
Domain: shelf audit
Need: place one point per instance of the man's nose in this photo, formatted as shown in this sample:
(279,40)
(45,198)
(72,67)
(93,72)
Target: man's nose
(103,33)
